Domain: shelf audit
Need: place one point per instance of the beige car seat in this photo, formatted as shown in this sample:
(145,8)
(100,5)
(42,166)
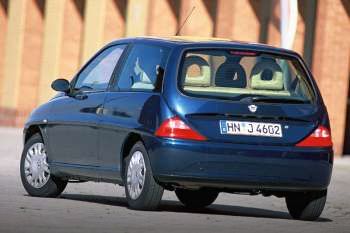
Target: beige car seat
(267,75)
(202,80)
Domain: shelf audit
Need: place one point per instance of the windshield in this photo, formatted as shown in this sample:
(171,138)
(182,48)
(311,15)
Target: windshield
(246,76)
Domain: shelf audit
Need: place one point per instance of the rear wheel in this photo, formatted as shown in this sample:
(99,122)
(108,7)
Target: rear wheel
(196,198)
(142,191)
(35,172)
(306,206)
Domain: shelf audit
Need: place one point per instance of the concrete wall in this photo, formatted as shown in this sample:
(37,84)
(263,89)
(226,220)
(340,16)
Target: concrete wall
(41,40)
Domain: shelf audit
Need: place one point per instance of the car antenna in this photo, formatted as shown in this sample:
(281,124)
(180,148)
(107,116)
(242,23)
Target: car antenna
(183,24)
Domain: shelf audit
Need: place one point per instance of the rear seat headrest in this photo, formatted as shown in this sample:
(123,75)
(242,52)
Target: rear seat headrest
(267,75)
(231,74)
(201,80)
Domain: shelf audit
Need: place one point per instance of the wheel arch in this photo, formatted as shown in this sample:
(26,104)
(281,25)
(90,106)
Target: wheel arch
(128,143)
(33,129)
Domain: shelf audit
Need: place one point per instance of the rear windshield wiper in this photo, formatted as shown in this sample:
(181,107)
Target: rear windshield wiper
(267,99)
(224,98)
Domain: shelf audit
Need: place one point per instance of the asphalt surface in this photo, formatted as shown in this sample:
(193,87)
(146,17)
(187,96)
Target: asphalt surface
(98,207)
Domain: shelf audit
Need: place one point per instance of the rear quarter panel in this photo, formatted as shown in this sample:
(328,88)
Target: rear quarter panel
(127,113)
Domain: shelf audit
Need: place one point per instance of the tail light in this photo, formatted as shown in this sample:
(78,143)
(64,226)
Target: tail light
(321,137)
(175,128)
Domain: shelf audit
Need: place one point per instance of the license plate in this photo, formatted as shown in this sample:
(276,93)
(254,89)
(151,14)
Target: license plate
(250,128)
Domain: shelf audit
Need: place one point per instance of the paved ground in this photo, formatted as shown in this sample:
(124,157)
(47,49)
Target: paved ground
(93,207)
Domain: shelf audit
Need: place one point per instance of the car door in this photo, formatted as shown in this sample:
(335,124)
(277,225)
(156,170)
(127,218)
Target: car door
(73,129)
(130,104)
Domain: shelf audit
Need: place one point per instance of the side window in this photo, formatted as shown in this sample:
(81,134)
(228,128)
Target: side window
(96,75)
(140,69)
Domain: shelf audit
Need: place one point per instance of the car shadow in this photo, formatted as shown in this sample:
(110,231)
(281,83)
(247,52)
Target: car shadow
(175,206)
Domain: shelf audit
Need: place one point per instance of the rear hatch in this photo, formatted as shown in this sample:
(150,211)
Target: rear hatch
(295,122)
(246,97)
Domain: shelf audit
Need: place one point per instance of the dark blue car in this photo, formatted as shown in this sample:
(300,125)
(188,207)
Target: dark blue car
(198,117)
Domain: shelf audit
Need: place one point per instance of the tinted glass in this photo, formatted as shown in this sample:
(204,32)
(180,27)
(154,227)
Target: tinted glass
(236,75)
(140,69)
(97,73)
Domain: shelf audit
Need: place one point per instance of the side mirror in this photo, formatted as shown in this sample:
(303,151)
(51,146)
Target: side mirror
(61,85)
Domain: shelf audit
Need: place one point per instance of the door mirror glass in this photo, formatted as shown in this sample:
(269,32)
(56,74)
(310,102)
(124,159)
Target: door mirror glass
(61,85)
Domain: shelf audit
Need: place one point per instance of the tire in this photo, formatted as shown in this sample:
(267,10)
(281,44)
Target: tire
(306,206)
(196,198)
(146,195)
(50,186)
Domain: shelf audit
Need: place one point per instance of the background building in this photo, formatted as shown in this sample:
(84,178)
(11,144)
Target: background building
(41,40)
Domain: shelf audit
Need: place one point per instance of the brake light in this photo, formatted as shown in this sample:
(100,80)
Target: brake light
(321,137)
(175,128)
(242,53)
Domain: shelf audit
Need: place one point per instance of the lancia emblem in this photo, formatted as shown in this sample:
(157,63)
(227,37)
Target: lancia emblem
(252,108)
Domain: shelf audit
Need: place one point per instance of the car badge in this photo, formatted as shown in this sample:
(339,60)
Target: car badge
(252,108)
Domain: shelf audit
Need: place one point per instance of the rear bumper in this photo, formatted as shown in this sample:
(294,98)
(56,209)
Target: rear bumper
(239,166)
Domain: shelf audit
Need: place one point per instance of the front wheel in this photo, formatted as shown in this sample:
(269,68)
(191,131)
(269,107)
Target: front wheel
(142,191)
(306,206)
(35,172)
(196,198)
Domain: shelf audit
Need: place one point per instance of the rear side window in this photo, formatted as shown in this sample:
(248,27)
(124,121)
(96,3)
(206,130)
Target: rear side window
(237,75)
(141,67)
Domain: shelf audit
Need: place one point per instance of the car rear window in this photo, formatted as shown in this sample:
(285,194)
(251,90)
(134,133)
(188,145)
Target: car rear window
(238,75)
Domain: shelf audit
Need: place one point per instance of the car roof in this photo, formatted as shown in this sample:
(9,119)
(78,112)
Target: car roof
(193,41)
